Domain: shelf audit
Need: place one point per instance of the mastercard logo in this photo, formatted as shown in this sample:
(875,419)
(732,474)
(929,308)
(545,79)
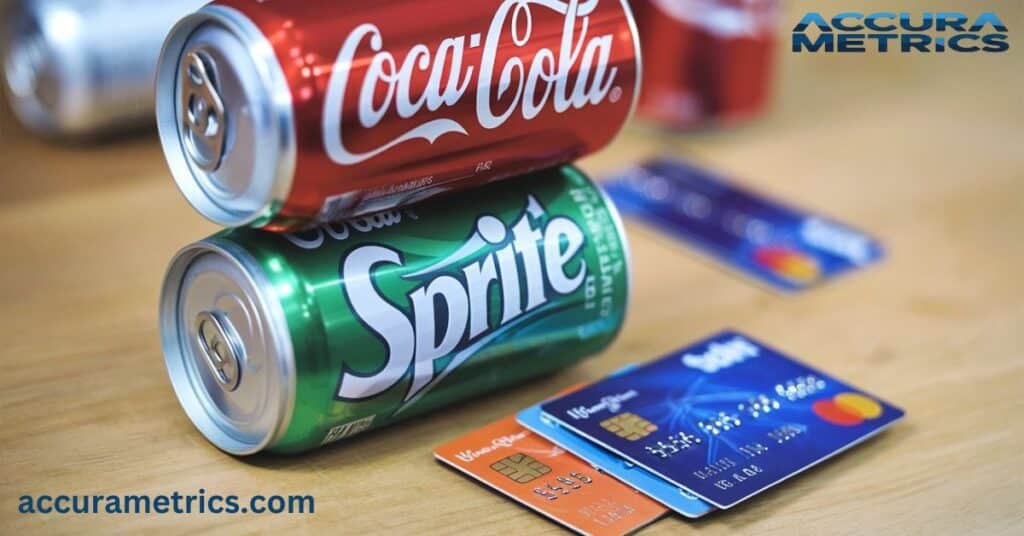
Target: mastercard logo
(848,409)
(788,264)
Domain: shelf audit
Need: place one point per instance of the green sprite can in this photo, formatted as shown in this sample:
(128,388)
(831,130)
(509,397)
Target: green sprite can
(286,342)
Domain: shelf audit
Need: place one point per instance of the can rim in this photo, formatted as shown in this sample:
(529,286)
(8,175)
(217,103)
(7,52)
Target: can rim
(613,210)
(627,253)
(176,356)
(282,124)
(634,32)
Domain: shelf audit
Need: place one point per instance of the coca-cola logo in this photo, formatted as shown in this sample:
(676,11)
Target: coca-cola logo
(525,84)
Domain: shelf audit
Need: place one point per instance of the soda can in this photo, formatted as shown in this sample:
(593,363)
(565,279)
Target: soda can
(286,342)
(282,114)
(707,61)
(75,68)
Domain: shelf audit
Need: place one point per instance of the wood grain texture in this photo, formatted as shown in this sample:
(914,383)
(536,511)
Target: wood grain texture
(926,152)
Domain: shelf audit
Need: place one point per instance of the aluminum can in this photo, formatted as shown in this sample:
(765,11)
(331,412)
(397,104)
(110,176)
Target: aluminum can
(282,114)
(706,61)
(286,342)
(76,68)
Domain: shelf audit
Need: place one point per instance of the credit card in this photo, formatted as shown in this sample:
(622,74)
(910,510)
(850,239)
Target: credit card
(653,486)
(786,248)
(544,477)
(725,418)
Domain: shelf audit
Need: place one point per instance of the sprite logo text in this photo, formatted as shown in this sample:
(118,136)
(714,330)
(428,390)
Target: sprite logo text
(533,78)
(451,314)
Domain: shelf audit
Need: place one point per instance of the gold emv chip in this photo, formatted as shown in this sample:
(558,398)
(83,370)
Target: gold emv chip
(520,468)
(629,426)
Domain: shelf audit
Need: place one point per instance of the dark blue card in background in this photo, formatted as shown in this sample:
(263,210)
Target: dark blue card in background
(786,248)
(725,418)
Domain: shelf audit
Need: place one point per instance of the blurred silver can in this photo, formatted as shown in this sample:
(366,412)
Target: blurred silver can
(74,68)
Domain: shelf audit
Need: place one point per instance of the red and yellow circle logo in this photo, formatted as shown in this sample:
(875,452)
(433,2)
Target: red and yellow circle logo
(789,264)
(848,409)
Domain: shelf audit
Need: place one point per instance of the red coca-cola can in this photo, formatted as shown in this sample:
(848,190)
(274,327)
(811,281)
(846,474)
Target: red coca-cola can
(706,61)
(282,114)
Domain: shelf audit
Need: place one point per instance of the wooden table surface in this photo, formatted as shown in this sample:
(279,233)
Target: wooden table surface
(925,152)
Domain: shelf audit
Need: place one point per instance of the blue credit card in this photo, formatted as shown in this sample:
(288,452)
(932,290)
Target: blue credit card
(639,478)
(786,248)
(724,418)
(642,480)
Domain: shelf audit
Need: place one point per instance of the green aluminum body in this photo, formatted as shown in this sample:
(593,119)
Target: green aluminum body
(408,311)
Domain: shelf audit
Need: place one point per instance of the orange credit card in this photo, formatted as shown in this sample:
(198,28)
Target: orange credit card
(538,474)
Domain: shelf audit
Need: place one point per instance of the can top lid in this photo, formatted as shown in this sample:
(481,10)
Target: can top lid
(227,347)
(39,69)
(225,116)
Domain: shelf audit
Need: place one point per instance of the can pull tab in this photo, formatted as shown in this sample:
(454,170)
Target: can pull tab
(220,348)
(202,111)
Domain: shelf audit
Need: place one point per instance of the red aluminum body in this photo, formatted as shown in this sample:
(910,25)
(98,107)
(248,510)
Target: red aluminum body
(398,100)
(706,61)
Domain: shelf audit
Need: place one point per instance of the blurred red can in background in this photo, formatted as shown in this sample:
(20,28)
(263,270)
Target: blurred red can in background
(706,61)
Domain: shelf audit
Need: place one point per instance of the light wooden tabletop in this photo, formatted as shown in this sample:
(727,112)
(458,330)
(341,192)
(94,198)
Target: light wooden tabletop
(925,152)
